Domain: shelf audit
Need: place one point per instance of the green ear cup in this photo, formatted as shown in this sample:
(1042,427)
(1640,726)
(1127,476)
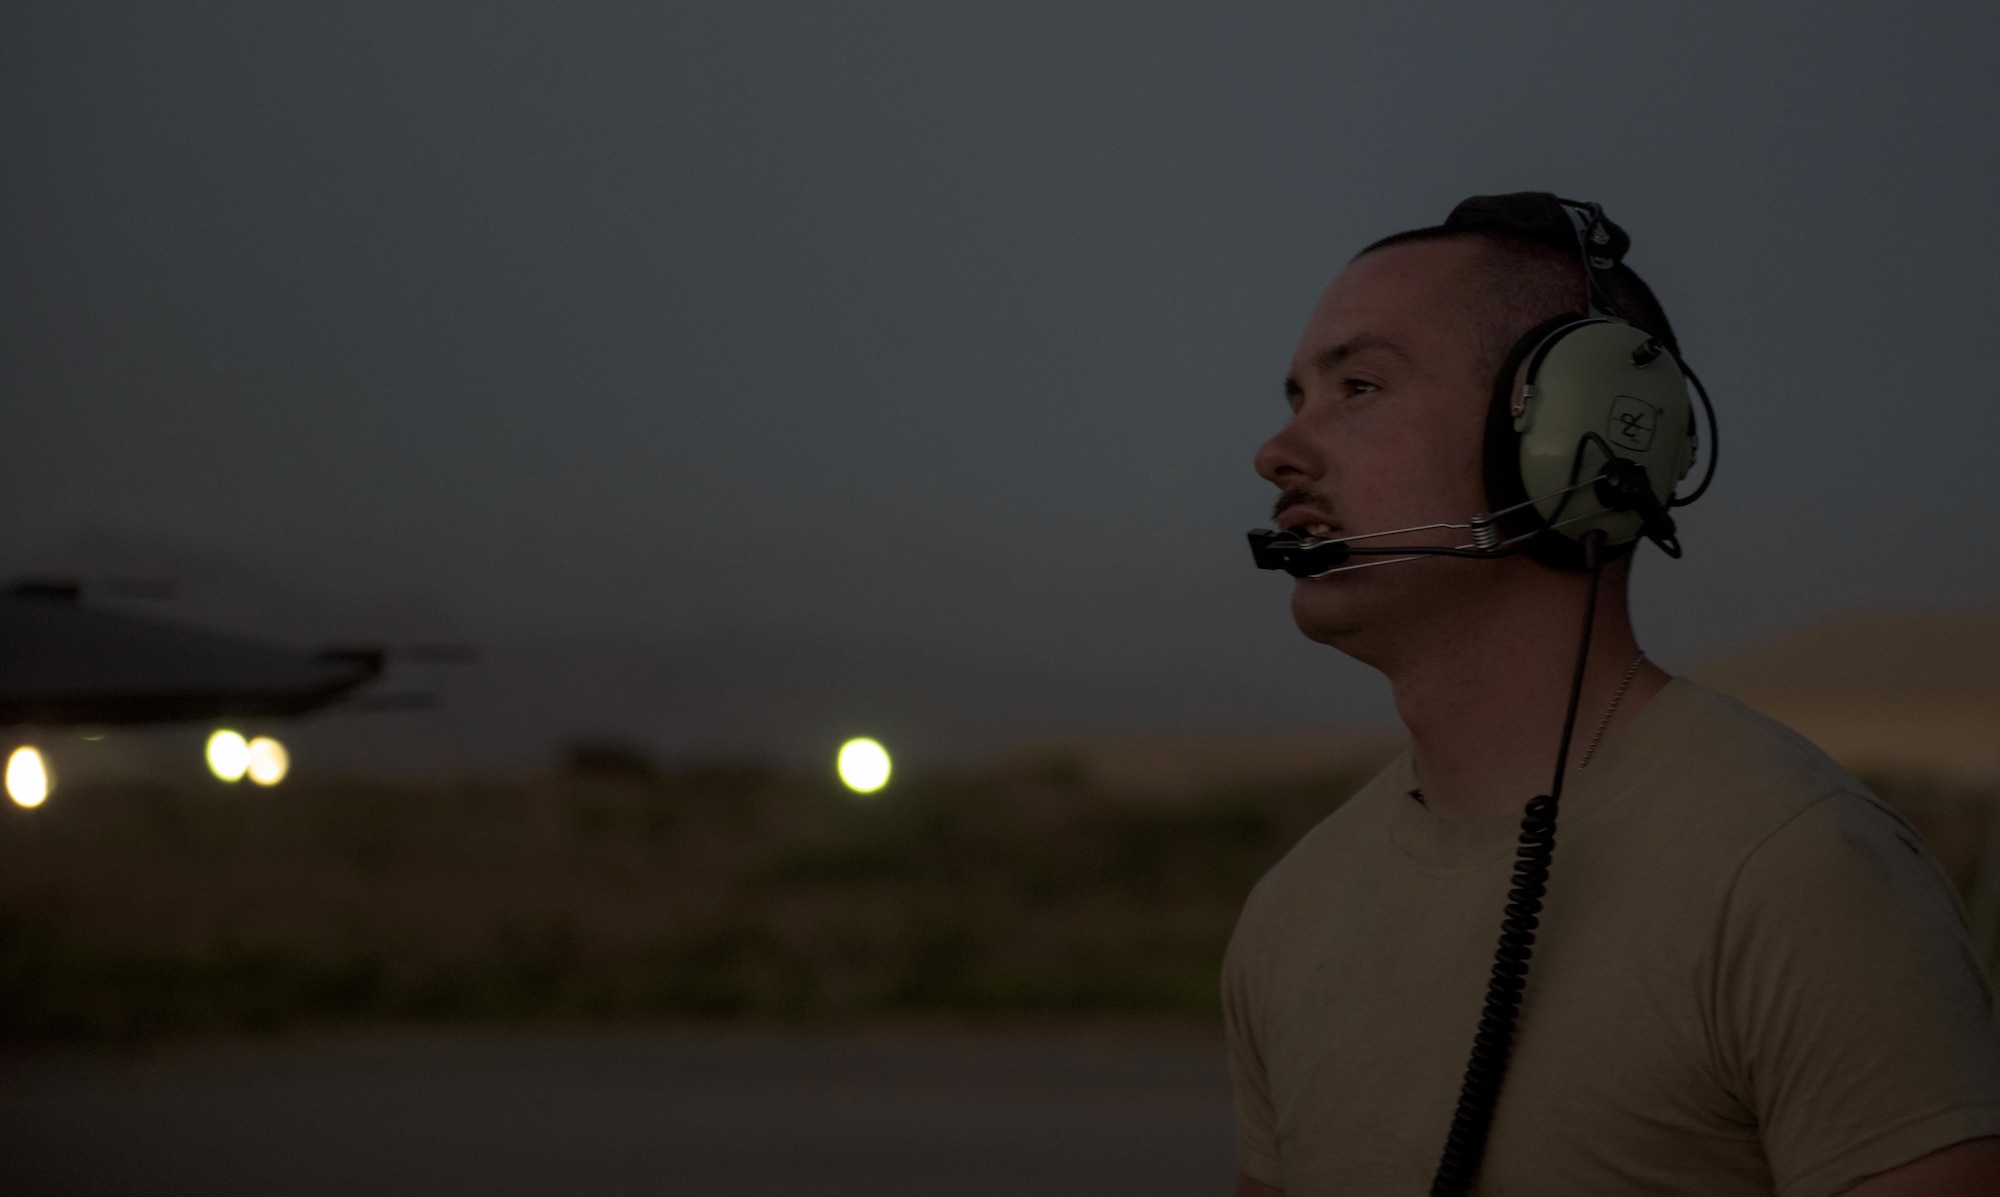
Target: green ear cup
(1591,389)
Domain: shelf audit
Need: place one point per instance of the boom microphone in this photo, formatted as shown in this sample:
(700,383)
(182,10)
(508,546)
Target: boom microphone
(1621,484)
(1306,556)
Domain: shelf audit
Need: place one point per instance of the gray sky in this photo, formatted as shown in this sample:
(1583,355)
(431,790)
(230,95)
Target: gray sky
(862,327)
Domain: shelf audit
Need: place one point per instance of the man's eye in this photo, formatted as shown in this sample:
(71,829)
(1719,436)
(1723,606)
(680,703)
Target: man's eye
(1359,386)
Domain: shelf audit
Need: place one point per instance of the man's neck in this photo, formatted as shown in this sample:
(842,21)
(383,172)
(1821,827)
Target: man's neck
(1484,705)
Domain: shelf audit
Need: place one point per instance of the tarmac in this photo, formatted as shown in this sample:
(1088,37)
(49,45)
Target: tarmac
(603,1116)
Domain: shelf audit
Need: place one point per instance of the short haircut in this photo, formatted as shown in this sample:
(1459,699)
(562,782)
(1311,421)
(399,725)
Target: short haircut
(1521,282)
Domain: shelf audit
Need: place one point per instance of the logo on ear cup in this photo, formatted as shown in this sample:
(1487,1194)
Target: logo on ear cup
(1632,424)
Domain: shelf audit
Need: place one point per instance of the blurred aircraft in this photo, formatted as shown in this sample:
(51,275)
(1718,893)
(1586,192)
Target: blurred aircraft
(65,664)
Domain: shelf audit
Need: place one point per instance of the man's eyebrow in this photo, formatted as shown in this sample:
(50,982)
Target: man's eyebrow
(1330,358)
(1333,355)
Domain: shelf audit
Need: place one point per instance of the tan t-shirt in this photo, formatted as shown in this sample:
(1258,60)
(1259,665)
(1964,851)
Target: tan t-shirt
(1751,978)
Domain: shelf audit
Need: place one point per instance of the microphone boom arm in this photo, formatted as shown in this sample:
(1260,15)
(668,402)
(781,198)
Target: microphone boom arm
(1306,556)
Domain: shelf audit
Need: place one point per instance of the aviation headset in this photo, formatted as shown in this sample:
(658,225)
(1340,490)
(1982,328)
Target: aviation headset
(1588,432)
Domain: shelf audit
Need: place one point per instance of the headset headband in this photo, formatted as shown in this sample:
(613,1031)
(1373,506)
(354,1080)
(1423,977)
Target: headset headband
(1572,226)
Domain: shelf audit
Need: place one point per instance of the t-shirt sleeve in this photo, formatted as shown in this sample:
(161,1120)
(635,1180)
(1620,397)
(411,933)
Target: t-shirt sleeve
(1256,1129)
(1853,1016)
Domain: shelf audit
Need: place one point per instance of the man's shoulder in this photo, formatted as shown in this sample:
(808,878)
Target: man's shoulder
(1718,787)
(1348,834)
(1737,771)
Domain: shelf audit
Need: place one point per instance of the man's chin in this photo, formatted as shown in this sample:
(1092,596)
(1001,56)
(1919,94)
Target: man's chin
(1334,611)
(1368,613)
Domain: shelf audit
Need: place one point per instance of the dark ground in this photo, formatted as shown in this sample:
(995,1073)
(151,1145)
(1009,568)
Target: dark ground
(619,894)
(494,1116)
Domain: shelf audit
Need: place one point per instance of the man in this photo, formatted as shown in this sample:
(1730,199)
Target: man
(1749,977)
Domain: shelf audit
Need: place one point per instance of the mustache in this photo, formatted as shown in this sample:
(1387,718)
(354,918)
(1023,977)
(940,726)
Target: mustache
(1301,496)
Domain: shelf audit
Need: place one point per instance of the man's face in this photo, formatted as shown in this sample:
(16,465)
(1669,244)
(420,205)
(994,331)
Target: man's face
(1388,407)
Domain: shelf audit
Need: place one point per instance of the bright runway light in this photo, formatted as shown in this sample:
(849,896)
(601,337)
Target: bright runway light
(269,762)
(228,755)
(28,781)
(864,765)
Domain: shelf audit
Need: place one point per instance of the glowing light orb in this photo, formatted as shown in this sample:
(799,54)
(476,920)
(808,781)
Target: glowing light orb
(228,755)
(863,765)
(268,761)
(28,781)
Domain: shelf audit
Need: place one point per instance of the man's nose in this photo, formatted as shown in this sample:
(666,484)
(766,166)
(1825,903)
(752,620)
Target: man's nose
(1288,456)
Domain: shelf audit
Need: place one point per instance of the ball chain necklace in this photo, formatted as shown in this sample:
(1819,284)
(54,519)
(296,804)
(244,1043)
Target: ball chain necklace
(1631,671)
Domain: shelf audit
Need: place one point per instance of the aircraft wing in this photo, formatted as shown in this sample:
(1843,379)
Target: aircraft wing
(62,663)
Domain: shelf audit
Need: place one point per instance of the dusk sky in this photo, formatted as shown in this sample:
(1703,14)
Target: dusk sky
(939,337)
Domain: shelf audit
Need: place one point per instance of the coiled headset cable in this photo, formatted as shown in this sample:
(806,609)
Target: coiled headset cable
(1487,1067)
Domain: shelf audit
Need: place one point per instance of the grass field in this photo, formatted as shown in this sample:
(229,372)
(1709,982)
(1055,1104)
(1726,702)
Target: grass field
(617,893)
